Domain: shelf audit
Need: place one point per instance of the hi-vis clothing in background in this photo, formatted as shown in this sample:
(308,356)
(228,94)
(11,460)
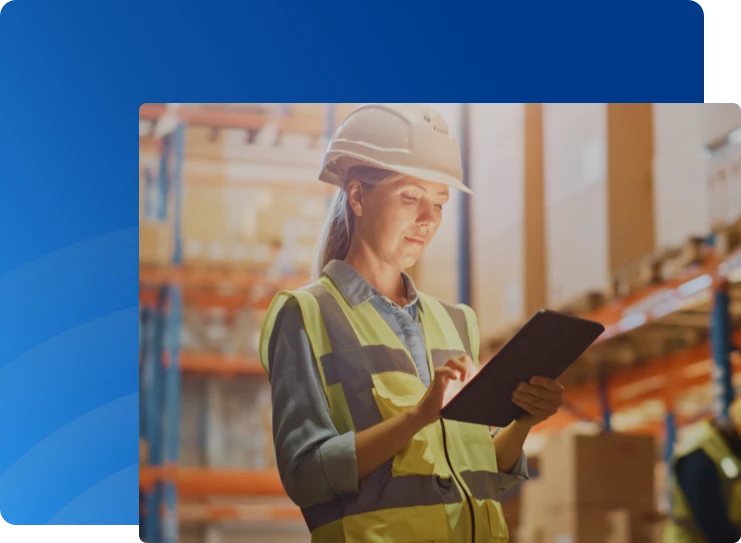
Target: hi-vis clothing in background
(707,438)
(367,375)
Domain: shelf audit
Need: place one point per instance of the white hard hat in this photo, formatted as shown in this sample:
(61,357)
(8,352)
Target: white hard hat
(411,139)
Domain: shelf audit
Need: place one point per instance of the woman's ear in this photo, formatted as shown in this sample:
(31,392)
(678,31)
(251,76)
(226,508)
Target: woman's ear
(355,196)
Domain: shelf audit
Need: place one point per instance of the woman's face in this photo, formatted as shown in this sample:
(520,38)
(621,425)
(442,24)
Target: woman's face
(397,219)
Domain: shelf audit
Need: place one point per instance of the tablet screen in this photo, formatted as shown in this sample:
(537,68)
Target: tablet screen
(546,346)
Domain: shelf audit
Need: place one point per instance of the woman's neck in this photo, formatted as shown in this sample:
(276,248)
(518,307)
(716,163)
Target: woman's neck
(384,277)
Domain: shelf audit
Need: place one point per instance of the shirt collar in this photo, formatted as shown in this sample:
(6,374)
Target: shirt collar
(356,290)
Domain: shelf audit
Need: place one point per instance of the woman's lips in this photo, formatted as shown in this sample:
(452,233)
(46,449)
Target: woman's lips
(416,240)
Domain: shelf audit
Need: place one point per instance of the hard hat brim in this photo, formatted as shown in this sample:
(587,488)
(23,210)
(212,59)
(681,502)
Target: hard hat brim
(330,175)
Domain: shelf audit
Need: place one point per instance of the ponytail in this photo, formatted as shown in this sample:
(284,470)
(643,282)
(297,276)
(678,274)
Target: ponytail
(339,226)
(336,234)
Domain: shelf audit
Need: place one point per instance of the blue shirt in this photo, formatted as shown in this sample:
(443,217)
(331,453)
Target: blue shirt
(316,464)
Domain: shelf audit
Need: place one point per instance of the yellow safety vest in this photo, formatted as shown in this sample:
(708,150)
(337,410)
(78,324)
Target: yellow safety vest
(682,528)
(427,492)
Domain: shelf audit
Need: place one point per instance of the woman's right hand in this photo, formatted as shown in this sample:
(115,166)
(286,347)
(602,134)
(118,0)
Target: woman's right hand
(379,443)
(428,408)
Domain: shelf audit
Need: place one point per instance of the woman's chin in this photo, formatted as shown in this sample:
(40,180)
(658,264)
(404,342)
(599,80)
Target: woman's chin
(409,260)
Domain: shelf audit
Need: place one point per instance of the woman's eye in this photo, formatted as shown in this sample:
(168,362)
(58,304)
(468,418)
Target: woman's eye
(409,198)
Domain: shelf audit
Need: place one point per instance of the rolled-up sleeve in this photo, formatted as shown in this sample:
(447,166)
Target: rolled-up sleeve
(315,463)
(518,473)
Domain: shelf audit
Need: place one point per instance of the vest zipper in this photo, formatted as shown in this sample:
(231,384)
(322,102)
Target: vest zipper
(442,425)
(460,484)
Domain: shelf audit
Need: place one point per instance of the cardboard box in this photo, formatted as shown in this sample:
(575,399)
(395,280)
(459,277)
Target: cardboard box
(598,173)
(205,214)
(595,525)
(533,502)
(609,470)
(566,525)
(511,508)
(155,243)
(529,534)
(295,219)
(204,142)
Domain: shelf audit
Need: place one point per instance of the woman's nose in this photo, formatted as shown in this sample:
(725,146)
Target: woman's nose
(426,214)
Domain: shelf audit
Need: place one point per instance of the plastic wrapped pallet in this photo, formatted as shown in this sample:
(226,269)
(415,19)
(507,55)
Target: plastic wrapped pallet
(236,432)
(680,190)
(598,193)
(497,175)
(191,424)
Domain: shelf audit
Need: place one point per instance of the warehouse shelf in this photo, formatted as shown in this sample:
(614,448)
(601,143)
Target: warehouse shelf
(310,125)
(206,299)
(218,364)
(691,290)
(224,278)
(666,378)
(230,146)
(203,300)
(170,292)
(206,482)
(666,375)
(207,512)
(233,173)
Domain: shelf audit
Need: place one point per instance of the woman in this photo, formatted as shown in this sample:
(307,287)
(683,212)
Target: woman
(360,362)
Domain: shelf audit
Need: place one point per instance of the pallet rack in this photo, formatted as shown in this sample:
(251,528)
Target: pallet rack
(164,291)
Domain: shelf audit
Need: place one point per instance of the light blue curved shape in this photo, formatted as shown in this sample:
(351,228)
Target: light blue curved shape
(70,286)
(64,378)
(86,509)
(65,465)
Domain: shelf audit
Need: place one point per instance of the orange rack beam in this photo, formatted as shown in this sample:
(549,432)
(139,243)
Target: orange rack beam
(662,378)
(212,363)
(655,302)
(205,277)
(225,512)
(205,482)
(203,299)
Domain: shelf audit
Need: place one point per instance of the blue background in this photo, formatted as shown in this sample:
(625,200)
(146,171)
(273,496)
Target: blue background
(72,77)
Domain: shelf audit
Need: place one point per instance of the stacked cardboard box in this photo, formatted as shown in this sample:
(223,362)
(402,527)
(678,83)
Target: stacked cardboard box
(155,243)
(243,227)
(592,489)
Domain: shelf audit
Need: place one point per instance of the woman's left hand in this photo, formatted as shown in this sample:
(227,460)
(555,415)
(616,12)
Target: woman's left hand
(540,399)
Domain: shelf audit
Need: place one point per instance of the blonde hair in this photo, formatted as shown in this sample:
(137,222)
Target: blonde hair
(334,242)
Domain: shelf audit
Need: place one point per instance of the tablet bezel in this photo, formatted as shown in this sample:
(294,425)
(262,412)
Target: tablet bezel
(488,368)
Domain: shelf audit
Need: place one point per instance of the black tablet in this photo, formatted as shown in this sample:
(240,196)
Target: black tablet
(546,346)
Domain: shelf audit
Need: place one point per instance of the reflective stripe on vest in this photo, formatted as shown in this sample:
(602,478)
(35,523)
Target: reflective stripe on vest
(368,377)
(708,439)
